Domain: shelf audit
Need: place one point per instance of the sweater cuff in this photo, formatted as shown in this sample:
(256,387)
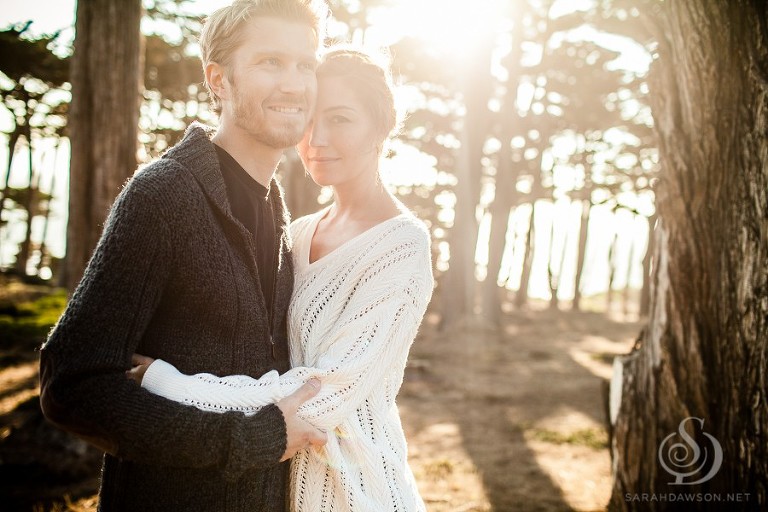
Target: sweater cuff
(257,441)
(163,379)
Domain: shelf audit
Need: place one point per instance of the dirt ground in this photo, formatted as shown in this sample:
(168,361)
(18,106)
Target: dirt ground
(513,419)
(508,419)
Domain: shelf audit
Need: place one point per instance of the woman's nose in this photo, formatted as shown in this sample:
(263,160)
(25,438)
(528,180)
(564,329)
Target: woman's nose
(318,135)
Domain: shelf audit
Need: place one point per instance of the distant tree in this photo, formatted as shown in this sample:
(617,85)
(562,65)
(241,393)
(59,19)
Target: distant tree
(106,81)
(173,95)
(575,95)
(32,95)
(704,352)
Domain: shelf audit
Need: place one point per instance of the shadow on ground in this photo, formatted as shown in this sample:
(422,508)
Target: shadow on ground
(526,406)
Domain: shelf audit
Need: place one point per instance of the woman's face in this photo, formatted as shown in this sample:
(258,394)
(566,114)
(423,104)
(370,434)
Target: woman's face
(341,143)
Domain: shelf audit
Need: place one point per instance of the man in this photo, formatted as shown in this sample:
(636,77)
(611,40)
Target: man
(193,267)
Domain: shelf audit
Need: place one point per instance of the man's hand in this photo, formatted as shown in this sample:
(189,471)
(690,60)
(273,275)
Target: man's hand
(299,433)
(140,364)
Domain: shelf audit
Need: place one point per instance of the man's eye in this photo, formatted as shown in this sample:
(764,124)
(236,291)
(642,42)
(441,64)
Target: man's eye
(339,119)
(271,61)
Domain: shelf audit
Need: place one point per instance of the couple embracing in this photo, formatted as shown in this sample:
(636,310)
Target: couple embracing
(223,357)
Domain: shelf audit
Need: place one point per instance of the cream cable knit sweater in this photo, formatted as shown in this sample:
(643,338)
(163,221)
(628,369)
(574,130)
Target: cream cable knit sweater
(353,316)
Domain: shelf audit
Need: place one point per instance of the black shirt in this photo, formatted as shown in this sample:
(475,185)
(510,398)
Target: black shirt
(251,205)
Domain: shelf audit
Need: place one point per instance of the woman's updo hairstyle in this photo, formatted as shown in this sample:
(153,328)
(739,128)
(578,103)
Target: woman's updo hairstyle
(371,80)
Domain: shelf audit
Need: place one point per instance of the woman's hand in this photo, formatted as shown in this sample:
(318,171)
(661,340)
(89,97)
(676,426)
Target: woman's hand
(140,364)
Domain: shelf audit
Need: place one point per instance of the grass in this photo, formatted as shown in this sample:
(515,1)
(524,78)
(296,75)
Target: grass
(30,321)
(596,439)
(439,469)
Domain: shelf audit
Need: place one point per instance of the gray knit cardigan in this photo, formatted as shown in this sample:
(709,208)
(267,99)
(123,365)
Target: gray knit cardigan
(174,276)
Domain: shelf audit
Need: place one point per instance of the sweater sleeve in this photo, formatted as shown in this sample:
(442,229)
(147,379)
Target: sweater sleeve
(84,389)
(370,343)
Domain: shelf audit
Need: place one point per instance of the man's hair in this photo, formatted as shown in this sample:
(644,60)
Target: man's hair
(222,31)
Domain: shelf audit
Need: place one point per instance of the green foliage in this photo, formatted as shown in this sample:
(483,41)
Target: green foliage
(33,72)
(30,322)
(592,438)
(20,196)
(21,57)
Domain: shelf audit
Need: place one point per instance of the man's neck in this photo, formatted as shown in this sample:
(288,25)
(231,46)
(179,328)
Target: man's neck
(258,159)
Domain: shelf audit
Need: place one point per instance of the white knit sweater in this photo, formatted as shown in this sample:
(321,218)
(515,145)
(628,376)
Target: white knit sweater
(353,316)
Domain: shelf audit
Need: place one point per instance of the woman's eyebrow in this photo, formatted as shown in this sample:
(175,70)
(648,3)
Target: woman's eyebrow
(338,107)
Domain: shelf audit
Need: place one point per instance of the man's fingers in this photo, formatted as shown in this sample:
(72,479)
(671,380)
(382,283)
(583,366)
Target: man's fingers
(138,360)
(134,375)
(304,393)
(300,435)
(140,365)
(307,391)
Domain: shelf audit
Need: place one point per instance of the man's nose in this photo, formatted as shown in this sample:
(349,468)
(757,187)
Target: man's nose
(294,81)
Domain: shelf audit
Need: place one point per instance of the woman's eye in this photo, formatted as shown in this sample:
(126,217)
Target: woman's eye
(339,119)
(271,61)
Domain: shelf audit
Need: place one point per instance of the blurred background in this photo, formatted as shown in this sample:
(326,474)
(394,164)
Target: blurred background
(527,136)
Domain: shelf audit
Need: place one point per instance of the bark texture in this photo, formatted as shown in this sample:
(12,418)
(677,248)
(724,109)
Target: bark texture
(103,122)
(704,352)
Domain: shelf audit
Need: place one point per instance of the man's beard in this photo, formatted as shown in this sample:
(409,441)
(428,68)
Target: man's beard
(250,118)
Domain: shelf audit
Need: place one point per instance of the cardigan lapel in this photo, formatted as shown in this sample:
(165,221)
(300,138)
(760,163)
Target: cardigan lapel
(197,153)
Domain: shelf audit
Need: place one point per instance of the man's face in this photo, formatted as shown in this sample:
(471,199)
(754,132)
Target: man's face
(272,84)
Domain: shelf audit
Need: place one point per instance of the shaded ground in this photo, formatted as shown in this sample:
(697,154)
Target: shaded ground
(501,420)
(513,420)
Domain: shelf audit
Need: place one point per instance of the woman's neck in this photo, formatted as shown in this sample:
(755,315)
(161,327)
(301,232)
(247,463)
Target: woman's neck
(363,199)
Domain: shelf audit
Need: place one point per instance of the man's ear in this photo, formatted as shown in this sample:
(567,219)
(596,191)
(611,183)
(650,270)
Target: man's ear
(215,76)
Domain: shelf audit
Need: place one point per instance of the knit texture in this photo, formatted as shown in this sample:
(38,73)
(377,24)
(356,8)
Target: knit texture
(173,277)
(353,317)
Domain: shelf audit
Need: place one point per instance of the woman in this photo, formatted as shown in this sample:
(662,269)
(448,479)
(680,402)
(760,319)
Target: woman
(363,281)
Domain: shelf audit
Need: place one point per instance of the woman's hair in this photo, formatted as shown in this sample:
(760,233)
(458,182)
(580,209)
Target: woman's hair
(222,31)
(369,78)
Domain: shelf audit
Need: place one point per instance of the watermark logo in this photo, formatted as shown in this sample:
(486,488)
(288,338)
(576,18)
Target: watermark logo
(690,463)
(682,457)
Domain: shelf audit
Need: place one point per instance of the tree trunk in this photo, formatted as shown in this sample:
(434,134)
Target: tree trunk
(13,139)
(627,284)
(106,80)
(504,197)
(457,286)
(704,352)
(457,297)
(553,278)
(611,269)
(521,297)
(586,208)
(47,213)
(507,172)
(22,257)
(498,240)
(645,294)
